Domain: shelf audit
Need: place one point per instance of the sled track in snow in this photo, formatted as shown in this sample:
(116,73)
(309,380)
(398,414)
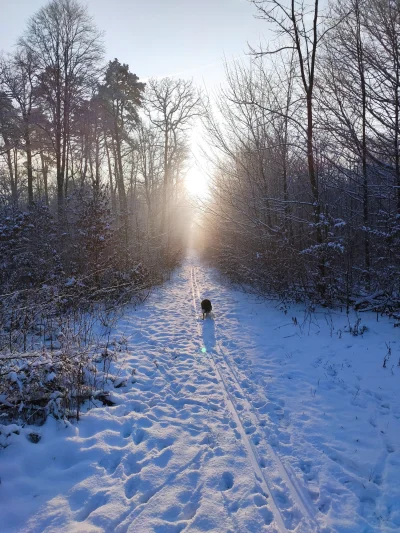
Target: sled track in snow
(306,523)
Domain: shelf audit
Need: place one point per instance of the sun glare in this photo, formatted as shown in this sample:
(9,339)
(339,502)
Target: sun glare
(197,182)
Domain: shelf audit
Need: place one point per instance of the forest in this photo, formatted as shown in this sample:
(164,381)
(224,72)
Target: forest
(305,199)
(91,180)
(304,187)
(200,266)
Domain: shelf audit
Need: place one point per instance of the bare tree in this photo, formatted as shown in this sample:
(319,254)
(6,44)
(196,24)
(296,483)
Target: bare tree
(150,161)
(171,105)
(290,20)
(121,94)
(380,20)
(18,77)
(344,92)
(10,135)
(66,47)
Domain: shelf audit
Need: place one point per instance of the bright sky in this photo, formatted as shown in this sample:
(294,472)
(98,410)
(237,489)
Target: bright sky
(188,38)
(185,38)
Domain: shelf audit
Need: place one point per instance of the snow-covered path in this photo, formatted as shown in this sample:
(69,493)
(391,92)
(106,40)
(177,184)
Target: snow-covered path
(263,419)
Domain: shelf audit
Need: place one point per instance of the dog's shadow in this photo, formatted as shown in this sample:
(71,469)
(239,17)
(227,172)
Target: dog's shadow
(209,334)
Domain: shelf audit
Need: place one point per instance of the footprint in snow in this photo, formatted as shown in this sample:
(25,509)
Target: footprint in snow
(172,513)
(390,448)
(138,407)
(111,461)
(97,500)
(144,422)
(260,500)
(307,470)
(126,430)
(165,443)
(190,510)
(226,482)
(193,477)
(282,499)
(267,515)
(234,508)
(164,458)
(139,436)
(131,486)
(166,527)
(324,505)
(184,496)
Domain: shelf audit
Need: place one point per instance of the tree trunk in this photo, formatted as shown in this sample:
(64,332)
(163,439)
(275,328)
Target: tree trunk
(110,177)
(165,184)
(29,165)
(13,180)
(120,177)
(45,178)
(360,60)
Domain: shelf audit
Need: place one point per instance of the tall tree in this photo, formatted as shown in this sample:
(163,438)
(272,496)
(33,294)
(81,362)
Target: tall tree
(171,106)
(344,92)
(121,94)
(18,77)
(381,21)
(10,134)
(150,167)
(298,24)
(67,48)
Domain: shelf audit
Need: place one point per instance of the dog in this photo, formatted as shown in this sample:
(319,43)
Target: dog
(206,307)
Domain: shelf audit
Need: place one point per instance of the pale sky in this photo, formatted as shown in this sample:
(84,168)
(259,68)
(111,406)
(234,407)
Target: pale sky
(159,38)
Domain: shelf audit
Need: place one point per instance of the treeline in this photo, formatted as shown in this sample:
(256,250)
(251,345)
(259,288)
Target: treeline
(91,159)
(306,195)
(92,202)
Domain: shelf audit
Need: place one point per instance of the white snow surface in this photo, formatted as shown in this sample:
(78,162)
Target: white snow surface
(261,418)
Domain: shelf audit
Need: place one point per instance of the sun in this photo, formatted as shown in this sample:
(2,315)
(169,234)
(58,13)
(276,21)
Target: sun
(197,182)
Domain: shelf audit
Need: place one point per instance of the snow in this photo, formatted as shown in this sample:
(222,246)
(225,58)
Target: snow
(264,418)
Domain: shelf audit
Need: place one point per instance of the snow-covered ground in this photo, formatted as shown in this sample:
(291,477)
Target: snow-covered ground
(264,418)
